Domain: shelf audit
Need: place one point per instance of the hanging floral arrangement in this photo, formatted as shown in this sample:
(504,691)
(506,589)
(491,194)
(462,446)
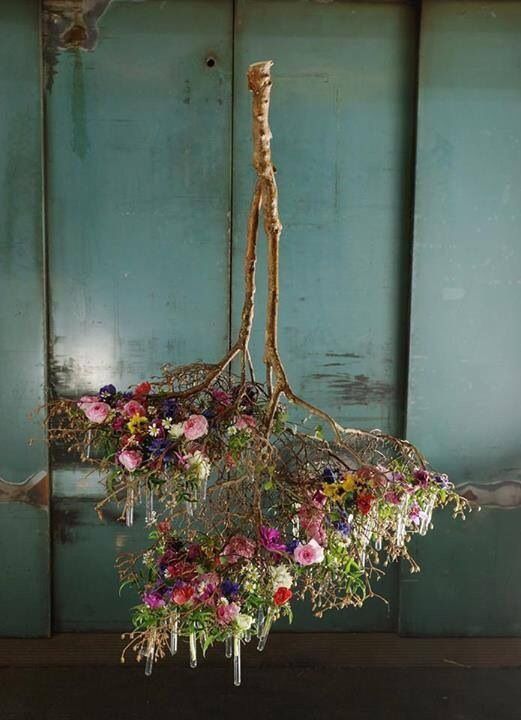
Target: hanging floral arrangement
(248,509)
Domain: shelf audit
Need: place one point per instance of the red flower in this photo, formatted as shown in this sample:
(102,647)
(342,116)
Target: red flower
(142,390)
(182,595)
(164,526)
(282,595)
(364,502)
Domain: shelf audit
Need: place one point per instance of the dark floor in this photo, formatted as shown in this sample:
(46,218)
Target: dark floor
(96,693)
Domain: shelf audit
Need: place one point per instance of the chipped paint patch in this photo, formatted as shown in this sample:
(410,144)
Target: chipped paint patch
(34,491)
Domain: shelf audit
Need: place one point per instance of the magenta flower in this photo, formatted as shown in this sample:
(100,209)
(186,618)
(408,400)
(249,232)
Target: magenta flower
(195,427)
(221,397)
(309,553)
(270,539)
(244,422)
(153,600)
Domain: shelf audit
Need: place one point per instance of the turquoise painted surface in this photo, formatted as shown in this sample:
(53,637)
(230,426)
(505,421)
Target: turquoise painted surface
(342,112)
(139,138)
(465,385)
(24,533)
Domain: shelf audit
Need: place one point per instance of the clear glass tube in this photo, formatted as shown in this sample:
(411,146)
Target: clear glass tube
(202,489)
(129,507)
(259,621)
(401,522)
(236,660)
(149,505)
(189,505)
(265,631)
(192,641)
(247,636)
(149,663)
(173,635)
(89,440)
(228,647)
(426,519)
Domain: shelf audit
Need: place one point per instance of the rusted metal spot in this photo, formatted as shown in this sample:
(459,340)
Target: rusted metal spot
(503,494)
(67,25)
(356,389)
(34,491)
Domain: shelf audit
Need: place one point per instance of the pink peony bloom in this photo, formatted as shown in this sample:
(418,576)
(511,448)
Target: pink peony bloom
(226,612)
(195,427)
(134,408)
(244,422)
(239,547)
(96,411)
(309,554)
(130,459)
(312,522)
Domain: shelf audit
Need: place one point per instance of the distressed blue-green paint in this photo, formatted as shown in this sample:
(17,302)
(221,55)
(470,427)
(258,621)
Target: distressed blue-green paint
(464,385)
(24,535)
(139,201)
(341,115)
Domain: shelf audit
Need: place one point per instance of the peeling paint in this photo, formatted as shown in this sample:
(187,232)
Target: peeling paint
(504,494)
(34,491)
(66,25)
(356,389)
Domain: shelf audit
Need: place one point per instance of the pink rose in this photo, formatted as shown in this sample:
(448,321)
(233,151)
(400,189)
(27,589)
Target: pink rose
(239,547)
(309,553)
(182,594)
(96,411)
(130,459)
(134,408)
(226,612)
(244,422)
(195,427)
(87,400)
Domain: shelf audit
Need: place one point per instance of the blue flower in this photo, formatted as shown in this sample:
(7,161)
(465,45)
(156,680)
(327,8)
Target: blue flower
(107,391)
(329,475)
(229,589)
(160,447)
(169,408)
(290,547)
(343,527)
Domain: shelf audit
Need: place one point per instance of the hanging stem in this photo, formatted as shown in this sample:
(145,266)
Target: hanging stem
(259,82)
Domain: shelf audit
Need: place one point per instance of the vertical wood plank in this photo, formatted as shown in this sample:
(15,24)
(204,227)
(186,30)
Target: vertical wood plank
(342,110)
(24,488)
(464,383)
(139,201)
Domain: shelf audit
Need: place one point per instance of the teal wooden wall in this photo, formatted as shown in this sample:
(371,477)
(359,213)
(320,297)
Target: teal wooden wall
(398,147)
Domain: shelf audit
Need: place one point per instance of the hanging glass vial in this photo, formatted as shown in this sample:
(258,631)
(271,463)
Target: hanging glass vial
(236,660)
(203,489)
(149,505)
(265,631)
(151,649)
(259,622)
(427,516)
(129,507)
(228,647)
(174,627)
(89,442)
(192,642)
(401,521)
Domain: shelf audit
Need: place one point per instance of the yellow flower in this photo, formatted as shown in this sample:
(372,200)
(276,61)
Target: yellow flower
(334,491)
(349,482)
(137,425)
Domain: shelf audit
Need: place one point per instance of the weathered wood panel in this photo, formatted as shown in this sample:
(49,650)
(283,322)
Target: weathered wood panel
(24,488)
(139,199)
(342,112)
(465,385)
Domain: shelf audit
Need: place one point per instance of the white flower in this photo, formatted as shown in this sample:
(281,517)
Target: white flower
(243,622)
(232,430)
(154,430)
(199,465)
(280,577)
(176,430)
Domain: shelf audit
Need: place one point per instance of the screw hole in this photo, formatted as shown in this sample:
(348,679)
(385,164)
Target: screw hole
(210,62)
